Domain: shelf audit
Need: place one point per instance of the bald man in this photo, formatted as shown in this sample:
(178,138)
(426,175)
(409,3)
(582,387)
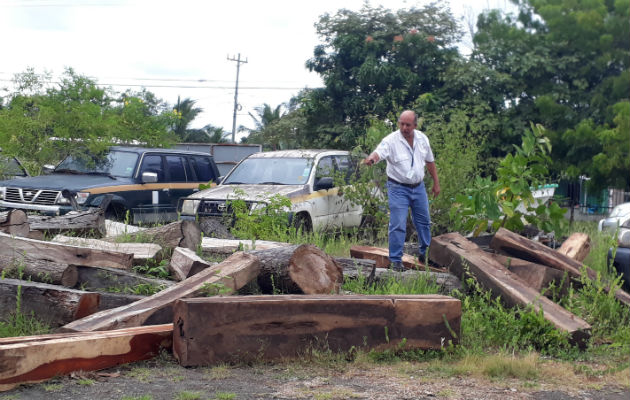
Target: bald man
(407,151)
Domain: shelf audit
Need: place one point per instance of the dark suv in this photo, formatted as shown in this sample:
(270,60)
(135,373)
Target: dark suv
(146,182)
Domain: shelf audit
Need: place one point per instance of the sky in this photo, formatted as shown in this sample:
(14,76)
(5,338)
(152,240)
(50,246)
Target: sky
(182,48)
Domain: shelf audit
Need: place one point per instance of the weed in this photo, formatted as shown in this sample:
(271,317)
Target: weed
(86,382)
(141,373)
(53,387)
(156,271)
(222,371)
(188,395)
(423,283)
(214,289)
(224,396)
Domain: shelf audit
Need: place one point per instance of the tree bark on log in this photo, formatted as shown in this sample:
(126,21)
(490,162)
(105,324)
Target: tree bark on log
(518,246)
(14,222)
(381,256)
(186,263)
(227,277)
(61,253)
(88,222)
(53,304)
(212,245)
(38,360)
(176,234)
(141,252)
(455,252)
(298,269)
(577,246)
(39,270)
(247,328)
(102,278)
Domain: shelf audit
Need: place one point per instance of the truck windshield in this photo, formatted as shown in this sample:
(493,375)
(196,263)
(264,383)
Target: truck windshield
(114,163)
(272,171)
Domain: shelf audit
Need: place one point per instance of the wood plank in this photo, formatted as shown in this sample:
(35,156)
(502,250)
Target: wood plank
(229,276)
(518,246)
(38,360)
(62,253)
(55,305)
(381,256)
(577,246)
(185,263)
(14,222)
(37,270)
(452,250)
(539,277)
(272,327)
(141,252)
(211,245)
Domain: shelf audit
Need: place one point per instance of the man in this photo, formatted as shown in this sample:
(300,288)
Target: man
(407,151)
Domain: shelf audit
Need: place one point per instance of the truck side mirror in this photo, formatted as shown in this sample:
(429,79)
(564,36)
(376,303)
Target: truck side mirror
(149,177)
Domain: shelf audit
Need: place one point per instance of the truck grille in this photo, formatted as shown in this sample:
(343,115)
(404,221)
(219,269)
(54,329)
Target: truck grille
(218,207)
(31,196)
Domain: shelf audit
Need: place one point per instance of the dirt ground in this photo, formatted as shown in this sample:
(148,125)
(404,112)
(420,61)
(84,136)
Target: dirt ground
(163,378)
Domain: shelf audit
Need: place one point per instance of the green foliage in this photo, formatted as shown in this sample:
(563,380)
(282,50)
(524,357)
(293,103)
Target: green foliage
(18,323)
(157,271)
(420,284)
(268,218)
(508,201)
(214,289)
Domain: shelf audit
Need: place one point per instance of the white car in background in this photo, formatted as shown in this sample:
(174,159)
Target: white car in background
(619,216)
(306,177)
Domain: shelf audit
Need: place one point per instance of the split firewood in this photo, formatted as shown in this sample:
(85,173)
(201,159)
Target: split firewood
(458,254)
(14,222)
(91,221)
(381,256)
(14,247)
(298,269)
(518,246)
(55,305)
(36,360)
(577,246)
(227,246)
(38,270)
(142,252)
(186,263)
(176,234)
(103,278)
(224,278)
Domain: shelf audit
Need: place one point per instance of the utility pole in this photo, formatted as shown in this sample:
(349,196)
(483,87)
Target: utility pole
(236,105)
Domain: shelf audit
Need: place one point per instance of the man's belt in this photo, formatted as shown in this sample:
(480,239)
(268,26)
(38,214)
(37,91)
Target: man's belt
(409,185)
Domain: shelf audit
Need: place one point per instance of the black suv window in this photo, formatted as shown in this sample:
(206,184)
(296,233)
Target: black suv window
(153,163)
(203,168)
(176,168)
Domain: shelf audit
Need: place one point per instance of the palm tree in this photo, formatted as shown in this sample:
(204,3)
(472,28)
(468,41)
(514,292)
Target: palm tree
(186,113)
(266,116)
(207,134)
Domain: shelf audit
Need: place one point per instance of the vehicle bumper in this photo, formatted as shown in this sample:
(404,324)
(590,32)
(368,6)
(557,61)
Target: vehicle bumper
(50,210)
(622,265)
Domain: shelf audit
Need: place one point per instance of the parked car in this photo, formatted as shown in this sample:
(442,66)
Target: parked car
(618,216)
(304,176)
(146,182)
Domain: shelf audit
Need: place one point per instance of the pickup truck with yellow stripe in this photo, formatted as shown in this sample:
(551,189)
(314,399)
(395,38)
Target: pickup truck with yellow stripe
(144,182)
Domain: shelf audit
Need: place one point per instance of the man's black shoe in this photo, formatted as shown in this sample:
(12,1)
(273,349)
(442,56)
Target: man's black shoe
(397,266)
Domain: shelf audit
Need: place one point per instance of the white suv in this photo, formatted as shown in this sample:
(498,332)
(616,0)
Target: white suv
(304,176)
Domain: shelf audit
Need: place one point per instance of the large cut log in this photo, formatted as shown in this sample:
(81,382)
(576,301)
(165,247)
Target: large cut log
(452,250)
(185,263)
(227,277)
(14,222)
(55,305)
(537,276)
(246,328)
(298,269)
(62,253)
(176,234)
(37,360)
(88,222)
(518,246)
(39,270)
(577,246)
(102,278)
(141,252)
(211,245)
(381,256)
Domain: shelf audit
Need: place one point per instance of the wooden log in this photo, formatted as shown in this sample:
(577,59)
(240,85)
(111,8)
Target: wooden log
(102,278)
(55,305)
(211,245)
(14,222)
(539,277)
(91,221)
(381,256)
(185,263)
(230,275)
(62,253)
(141,252)
(298,269)
(176,234)
(272,327)
(455,252)
(39,270)
(38,360)
(518,246)
(577,246)
(115,228)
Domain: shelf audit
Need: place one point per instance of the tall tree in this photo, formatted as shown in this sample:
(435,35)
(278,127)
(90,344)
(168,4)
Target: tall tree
(264,123)
(186,112)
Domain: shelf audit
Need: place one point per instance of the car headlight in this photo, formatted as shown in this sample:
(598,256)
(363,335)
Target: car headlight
(3,190)
(189,207)
(81,198)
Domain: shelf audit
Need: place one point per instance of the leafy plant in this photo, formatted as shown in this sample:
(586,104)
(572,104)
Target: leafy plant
(157,271)
(268,218)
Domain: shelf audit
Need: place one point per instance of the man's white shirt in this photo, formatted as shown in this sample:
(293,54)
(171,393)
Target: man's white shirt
(404,164)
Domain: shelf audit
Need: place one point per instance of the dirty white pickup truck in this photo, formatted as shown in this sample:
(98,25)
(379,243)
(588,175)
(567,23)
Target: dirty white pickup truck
(306,177)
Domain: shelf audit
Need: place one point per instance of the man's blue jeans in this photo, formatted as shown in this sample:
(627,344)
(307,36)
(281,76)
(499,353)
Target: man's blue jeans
(400,199)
